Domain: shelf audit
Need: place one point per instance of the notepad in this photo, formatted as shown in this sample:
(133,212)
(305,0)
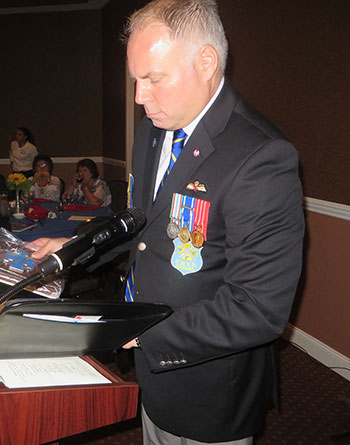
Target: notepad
(40,372)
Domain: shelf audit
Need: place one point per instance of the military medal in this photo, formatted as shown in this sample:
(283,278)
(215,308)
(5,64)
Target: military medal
(197,239)
(184,235)
(172,229)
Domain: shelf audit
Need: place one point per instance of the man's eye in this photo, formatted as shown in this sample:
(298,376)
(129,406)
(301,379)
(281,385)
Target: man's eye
(155,80)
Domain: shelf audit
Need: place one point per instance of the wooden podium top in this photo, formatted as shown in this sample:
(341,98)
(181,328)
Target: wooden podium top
(31,416)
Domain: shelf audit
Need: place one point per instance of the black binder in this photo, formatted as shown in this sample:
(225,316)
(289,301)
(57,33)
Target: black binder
(22,336)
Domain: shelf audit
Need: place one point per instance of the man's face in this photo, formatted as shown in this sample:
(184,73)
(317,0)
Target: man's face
(168,84)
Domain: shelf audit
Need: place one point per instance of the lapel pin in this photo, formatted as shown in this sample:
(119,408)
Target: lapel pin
(154,142)
(196,187)
(196,152)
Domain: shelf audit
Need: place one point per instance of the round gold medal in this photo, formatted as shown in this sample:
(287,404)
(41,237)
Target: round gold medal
(197,239)
(184,235)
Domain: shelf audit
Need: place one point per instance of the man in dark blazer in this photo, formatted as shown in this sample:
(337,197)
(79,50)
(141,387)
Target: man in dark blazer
(223,239)
(207,372)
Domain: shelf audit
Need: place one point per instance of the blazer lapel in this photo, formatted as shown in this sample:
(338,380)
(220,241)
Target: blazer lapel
(196,150)
(151,166)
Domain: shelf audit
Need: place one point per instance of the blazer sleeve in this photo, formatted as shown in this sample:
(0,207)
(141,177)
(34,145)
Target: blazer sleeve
(264,226)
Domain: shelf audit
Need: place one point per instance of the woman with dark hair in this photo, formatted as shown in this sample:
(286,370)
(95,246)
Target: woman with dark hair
(46,186)
(22,152)
(88,188)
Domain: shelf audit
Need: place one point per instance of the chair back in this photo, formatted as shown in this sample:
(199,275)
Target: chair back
(118,189)
(62,187)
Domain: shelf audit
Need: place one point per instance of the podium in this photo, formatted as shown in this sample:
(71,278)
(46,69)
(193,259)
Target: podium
(36,327)
(33,416)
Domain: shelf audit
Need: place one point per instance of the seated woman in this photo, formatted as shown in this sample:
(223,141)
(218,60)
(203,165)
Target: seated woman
(46,186)
(88,188)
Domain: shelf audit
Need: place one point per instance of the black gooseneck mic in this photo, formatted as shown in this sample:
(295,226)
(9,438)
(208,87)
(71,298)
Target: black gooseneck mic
(119,229)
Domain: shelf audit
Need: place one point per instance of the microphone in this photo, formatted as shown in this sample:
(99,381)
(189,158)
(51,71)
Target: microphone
(119,229)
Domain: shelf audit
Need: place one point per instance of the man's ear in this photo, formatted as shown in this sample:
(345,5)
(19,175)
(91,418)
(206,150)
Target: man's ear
(208,61)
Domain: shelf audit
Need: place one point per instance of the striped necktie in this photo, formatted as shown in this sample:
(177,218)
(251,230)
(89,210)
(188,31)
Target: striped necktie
(179,138)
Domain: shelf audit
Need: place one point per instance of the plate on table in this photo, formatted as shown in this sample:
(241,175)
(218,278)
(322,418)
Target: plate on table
(19,215)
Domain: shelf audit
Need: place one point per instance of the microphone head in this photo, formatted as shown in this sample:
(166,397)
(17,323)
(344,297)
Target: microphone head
(134,218)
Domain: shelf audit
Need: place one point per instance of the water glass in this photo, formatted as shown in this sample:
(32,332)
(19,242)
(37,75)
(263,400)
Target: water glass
(60,208)
(68,199)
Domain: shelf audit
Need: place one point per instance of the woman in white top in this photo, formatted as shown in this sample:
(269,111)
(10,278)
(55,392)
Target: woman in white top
(23,152)
(46,186)
(87,187)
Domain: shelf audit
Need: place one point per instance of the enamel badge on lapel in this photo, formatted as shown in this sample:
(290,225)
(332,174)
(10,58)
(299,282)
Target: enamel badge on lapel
(196,187)
(154,142)
(196,152)
(188,230)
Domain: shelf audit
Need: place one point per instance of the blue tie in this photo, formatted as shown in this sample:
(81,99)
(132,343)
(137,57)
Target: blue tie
(129,289)
(179,138)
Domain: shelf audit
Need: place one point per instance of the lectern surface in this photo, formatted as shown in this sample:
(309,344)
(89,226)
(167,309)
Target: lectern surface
(32,416)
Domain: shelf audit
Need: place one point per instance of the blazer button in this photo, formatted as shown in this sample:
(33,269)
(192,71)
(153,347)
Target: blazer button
(169,362)
(183,361)
(141,246)
(162,363)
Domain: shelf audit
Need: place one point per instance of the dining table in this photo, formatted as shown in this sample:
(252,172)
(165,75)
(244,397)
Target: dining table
(59,222)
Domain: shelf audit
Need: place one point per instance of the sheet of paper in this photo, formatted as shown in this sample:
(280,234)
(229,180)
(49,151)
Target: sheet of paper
(65,319)
(80,218)
(39,372)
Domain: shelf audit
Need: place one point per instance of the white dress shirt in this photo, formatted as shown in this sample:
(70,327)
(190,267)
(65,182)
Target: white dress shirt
(167,144)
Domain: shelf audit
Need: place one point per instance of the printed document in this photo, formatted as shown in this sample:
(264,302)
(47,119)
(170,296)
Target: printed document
(39,372)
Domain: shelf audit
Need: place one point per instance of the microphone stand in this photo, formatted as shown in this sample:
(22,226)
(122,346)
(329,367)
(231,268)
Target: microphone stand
(18,287)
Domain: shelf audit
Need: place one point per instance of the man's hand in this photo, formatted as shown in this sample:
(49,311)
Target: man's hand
(46,246)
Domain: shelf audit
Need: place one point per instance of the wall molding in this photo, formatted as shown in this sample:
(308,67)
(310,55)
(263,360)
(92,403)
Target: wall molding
(328,208)
(318,350)
(74,160)
(115,162)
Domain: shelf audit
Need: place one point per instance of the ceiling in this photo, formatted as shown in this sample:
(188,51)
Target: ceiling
(35,6)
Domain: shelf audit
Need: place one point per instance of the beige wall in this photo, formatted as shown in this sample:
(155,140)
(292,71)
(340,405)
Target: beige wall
(322,306)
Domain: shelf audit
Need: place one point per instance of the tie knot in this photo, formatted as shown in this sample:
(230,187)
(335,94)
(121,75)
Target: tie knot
(179,136)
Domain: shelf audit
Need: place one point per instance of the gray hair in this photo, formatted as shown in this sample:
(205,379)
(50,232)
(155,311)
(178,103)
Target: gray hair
(193,21)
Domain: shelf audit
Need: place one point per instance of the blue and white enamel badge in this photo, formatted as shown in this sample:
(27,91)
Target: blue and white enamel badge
(186,258)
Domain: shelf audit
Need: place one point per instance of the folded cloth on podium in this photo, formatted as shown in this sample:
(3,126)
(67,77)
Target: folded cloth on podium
(40,327)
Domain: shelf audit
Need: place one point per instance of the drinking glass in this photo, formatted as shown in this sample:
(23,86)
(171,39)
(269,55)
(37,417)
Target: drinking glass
(68,199)
(60,208)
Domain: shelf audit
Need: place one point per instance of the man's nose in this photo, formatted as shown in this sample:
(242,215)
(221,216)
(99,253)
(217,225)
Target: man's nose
(142,93)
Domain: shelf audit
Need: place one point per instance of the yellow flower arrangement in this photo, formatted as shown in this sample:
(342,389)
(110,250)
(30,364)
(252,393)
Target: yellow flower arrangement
(17,181)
